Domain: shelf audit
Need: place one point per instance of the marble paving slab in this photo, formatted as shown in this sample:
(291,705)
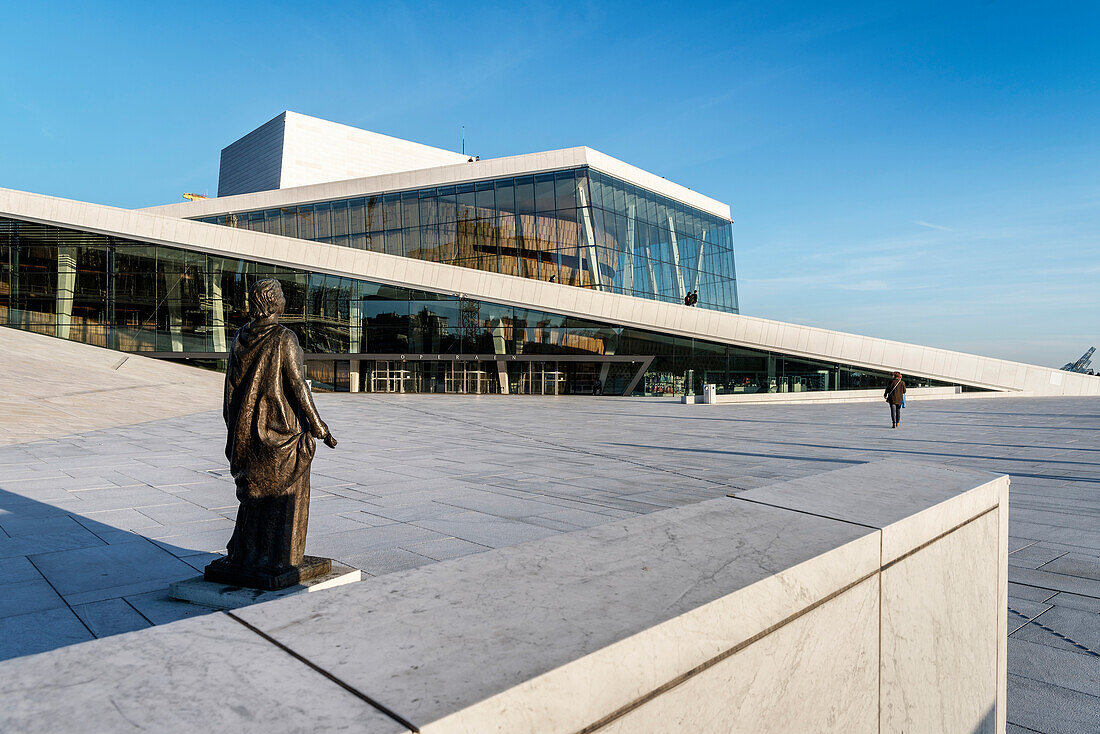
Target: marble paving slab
(205,674)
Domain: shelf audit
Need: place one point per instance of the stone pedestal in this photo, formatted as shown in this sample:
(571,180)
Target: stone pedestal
(200,590)
(222,571)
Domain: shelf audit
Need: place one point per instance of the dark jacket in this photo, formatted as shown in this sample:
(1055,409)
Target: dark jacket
(894,391)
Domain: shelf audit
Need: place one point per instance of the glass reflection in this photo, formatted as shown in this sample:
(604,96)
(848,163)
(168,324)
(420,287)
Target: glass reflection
(578,227)
(139,297)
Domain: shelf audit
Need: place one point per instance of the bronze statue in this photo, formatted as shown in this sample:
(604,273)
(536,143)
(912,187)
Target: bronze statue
(272,421)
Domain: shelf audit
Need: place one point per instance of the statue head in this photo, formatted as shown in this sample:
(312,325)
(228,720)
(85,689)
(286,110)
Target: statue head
(266,299)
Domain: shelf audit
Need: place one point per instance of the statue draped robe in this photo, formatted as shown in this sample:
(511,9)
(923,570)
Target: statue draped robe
(271,421)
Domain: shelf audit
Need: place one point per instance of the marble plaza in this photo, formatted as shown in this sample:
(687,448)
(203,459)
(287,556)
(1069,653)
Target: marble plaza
(103,504)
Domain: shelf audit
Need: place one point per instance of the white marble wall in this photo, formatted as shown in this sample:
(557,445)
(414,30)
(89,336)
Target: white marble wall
(817,673)
(320,151)
(916,647)
(940,644)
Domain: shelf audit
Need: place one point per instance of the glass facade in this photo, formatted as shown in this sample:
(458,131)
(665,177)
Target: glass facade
(577,227)
(138,297)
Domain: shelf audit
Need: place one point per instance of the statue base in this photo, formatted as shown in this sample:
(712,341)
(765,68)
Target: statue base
(198,590)
(222,571)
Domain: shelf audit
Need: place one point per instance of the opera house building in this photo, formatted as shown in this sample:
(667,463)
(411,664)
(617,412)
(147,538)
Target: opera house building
(413,269)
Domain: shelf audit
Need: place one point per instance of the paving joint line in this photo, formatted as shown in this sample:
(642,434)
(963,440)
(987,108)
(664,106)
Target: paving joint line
(63,599)
(309,663)
(1035,621)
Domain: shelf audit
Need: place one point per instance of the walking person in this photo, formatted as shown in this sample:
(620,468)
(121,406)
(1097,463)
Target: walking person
(895,396)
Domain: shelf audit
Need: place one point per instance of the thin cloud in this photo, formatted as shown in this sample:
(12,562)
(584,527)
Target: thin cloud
(938,227)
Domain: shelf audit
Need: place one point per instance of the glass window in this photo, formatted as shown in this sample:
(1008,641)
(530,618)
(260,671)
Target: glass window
(544,192)
(507,244)
(429,210)
(525,195)
(631,199)
(394,245)
(175,300)
(391,208)
(467,237)
(620,197)
(485,200)
(429,243)
(448,205)
(662,214)
(437,325)
(374,214)
(448,242)
(372,241)
(546,232)
(565,190)
(273,223)
(289,219)
(506,195)
(322,222)
(410,209)
(584,194)
(339,218)
(412,241)
(306,230)
(357,215)
(465,198)
(596,183)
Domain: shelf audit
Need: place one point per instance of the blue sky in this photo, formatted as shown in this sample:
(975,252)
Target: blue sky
(928,172)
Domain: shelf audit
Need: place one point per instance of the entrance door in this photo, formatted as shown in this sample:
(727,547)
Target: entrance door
(466,378)
(389,377)
(431,377)
(539,378)
(477,378)
(454,380)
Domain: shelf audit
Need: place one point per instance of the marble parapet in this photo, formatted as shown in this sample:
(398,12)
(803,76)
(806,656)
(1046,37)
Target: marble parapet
(870,597)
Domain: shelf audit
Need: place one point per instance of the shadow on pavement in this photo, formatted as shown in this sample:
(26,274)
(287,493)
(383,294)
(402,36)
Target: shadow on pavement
(65,578)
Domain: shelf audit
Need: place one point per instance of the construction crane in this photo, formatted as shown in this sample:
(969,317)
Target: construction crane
(195,197)
(1081,365)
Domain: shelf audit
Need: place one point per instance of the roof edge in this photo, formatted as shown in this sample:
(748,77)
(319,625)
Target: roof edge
(516,165)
